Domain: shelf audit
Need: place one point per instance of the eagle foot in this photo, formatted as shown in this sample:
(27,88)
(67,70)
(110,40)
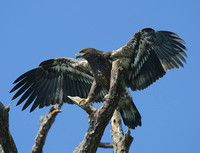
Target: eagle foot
(84,101)
(106,97)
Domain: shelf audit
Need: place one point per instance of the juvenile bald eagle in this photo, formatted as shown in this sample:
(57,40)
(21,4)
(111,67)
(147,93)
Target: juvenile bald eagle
(145,58)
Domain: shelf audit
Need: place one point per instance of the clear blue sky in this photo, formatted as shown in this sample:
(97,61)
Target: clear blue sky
(33,31)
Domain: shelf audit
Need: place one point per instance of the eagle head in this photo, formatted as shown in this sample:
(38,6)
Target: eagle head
(86,53)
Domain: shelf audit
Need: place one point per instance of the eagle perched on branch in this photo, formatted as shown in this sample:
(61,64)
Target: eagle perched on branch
(145,58)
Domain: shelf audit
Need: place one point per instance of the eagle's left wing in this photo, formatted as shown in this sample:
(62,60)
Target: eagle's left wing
(148,55)
(53,81)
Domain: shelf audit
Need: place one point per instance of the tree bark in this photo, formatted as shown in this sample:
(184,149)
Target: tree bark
(121,142)
(6,140)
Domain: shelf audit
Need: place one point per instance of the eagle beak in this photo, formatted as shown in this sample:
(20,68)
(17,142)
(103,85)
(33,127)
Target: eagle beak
(79,55)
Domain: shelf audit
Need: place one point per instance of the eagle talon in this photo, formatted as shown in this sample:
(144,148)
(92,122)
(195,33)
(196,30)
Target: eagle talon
(84,101)
(106,97)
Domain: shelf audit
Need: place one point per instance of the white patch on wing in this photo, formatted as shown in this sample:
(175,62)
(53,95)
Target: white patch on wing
(125,62)
(140,60)
(99,73)
(75,67)
(140,54)
(60,68)
(58,94)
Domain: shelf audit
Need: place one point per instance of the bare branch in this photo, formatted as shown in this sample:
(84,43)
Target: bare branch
(126,142)
(105,145)
(45,125)
(121,142)
(6,139)
(85,106)
(116,129)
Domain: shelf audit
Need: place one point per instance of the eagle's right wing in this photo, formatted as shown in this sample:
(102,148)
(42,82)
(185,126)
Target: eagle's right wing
(53,81)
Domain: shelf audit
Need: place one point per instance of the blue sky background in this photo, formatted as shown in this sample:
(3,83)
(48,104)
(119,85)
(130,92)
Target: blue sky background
(33,31)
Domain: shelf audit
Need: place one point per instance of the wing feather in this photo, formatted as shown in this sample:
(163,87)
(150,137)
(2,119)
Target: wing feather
(65,88)
(52,82)
(40,94)
(26,94)
(150,53)
(37,89)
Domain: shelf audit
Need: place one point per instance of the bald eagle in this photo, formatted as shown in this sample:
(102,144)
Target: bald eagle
(145,58)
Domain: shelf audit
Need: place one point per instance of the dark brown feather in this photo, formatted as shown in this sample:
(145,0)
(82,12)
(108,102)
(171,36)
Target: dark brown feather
(53,81)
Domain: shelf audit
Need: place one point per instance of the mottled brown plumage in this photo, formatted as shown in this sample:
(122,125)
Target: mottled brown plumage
(100,66)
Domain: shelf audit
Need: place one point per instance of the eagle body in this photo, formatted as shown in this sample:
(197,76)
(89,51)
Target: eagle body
(100,67)
(145,58)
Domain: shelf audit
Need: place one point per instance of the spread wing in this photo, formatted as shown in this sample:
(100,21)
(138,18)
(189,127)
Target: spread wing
(148,55)
(53,81)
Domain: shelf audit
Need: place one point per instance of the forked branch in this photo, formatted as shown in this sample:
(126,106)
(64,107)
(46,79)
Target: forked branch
(45,125)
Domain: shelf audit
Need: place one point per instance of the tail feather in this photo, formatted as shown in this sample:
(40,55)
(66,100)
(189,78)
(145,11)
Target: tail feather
(130,115)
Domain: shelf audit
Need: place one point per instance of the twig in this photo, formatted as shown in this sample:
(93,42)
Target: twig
(45,125)
(6,139)
(105,145)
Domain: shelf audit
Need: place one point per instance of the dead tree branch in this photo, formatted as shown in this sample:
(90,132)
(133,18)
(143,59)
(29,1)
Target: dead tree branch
(6,139)
(105,145)
(121,142)
(45,125)
(125,143)
(99,118)
(86,107)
